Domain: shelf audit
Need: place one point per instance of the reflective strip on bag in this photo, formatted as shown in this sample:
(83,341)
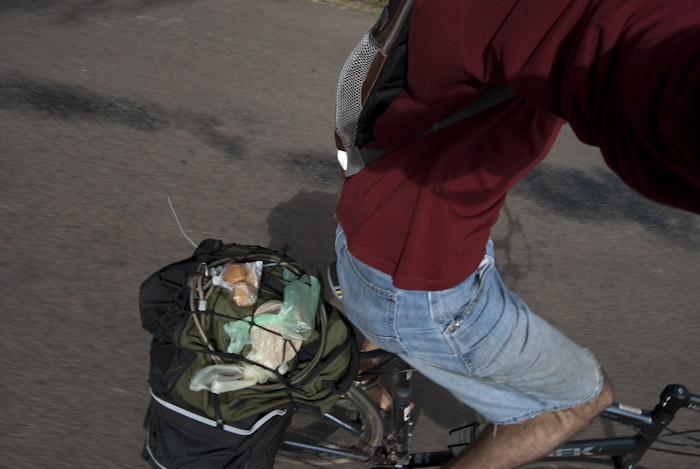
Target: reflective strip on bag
(151,455)
(212,423)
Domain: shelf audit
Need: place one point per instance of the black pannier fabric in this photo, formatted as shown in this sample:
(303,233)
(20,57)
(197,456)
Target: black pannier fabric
(177,442)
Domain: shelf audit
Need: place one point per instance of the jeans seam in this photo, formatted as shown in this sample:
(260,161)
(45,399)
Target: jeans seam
(386,294)
(481,273)
(380,291)
(447,336)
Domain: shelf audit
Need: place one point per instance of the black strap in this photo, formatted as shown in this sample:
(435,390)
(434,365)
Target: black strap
(217,410)
(358,158)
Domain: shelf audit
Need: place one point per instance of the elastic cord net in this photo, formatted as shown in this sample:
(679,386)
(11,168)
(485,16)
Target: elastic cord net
(201,287)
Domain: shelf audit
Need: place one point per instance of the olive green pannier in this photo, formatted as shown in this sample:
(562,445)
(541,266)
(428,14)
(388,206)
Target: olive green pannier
(202,325)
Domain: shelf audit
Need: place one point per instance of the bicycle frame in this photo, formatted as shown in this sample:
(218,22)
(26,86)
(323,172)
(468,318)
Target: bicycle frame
(397,450)
(624,452)
(620,452)
(627,451)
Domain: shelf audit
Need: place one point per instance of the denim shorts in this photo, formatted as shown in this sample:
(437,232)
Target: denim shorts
(478,340)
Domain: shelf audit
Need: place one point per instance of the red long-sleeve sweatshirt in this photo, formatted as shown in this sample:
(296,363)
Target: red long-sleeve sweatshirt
(625,74)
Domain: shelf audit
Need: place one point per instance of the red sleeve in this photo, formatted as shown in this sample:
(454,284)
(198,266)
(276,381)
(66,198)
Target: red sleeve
(624,73)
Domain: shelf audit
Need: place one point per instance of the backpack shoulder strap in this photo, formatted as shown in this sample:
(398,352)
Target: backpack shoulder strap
(373,75)
(491,97)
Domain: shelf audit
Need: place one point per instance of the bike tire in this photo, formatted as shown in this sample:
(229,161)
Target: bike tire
(354,408)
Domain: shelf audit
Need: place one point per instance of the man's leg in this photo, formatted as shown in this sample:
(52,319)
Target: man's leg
(378,393)
(509,446)
(482,343)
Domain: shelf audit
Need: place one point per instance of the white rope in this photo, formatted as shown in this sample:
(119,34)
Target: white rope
(179,225)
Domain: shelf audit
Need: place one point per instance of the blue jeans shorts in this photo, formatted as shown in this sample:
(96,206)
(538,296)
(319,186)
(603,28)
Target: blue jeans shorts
(478,340)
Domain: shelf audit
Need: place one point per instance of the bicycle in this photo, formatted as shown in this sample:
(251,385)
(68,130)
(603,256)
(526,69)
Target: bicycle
(356,430)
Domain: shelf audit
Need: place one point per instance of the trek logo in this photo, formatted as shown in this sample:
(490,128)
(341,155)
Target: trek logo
(565,452)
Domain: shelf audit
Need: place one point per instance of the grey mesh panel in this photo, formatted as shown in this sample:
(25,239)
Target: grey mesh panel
(349,96)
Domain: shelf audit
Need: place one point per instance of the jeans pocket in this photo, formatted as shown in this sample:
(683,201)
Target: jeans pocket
(369,304)
(476,327)
(480,278)
(453,307)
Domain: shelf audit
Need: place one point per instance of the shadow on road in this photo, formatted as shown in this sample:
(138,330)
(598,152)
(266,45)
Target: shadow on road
(306,222)
(600,196)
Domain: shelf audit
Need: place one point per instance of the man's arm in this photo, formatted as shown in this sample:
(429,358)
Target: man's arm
(624,73)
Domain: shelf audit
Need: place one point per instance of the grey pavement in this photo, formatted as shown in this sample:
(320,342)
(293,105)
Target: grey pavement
(107,108)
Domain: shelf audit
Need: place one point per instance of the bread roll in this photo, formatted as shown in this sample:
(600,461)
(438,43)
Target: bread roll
(244,294)
(234,273)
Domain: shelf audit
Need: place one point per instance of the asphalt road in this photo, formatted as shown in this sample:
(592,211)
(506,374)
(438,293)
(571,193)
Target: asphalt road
(107,108)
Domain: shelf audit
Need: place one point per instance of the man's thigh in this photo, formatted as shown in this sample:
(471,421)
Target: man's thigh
(477,339)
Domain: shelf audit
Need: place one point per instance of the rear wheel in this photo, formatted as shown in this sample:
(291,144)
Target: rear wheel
(348,433)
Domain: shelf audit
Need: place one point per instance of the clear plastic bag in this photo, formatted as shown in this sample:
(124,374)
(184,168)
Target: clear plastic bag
(275,333)
(229,377)
(269,346)
(239,332)
(297,317)
(242,280)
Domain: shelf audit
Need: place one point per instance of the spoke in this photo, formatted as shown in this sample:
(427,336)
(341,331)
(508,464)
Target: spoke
(330,444)
(347,426)
(323,449)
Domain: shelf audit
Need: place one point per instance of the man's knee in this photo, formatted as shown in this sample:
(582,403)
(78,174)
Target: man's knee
(578,417)
(589,410)
(605,398)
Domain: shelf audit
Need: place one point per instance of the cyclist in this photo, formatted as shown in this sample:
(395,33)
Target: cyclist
(415,260)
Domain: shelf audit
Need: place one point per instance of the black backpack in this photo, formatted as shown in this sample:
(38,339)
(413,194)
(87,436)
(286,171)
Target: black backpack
(185,311)
(373,76)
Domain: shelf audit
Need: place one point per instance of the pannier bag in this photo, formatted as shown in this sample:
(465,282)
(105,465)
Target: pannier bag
(373,75)
(241,339)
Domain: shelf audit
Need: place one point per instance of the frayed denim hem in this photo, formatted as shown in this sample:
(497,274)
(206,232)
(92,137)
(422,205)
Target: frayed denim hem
(596,392)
